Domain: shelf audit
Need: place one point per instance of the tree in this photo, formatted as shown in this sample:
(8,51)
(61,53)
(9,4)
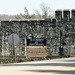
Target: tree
(23,16)
(37,14)
(26,15)
(45,13)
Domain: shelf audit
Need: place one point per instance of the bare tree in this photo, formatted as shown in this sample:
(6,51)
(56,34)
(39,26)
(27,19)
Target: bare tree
(45,12)
(38,14)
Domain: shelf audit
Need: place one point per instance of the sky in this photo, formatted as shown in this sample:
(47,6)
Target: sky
(13,7)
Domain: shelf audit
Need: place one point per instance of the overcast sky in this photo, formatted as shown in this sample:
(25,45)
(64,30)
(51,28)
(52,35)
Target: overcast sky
(13,7)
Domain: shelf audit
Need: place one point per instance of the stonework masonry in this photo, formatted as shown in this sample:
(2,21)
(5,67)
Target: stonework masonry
(46,28)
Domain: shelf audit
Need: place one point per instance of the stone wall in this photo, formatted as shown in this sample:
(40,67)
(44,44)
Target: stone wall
(49,29)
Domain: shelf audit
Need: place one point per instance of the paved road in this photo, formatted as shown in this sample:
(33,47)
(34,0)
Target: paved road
(62,66)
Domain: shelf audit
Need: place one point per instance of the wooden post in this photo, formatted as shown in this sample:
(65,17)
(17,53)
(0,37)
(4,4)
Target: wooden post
(13,46)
